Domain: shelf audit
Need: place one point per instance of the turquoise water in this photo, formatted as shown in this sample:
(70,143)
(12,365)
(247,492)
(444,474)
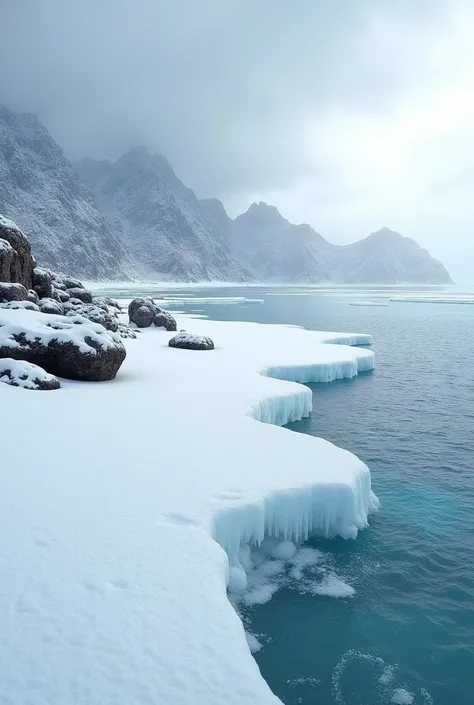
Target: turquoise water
(407,634)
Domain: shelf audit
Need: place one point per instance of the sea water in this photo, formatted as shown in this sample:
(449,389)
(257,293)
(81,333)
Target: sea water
(402,628)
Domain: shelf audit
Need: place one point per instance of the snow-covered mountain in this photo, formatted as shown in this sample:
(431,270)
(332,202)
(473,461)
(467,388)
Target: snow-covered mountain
(385,257)
(276,250)
(43,194)
(162,223)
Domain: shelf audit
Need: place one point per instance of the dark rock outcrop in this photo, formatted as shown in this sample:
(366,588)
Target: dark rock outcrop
(188,341)
(143,316)
(163,319)
(42,283)
(12,292)
(16,260)
(125,331)
(139,301)
(18,373)
(70,347)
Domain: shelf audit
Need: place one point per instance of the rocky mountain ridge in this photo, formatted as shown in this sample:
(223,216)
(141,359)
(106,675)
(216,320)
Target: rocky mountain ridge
(135,219)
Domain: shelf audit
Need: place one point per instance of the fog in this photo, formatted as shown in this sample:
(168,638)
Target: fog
(347,115)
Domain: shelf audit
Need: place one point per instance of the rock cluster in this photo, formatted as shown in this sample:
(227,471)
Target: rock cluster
(143,312)
(50,324)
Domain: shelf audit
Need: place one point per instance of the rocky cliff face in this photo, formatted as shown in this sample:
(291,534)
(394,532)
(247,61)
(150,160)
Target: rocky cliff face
(43,194)
(275,250)
(164,225)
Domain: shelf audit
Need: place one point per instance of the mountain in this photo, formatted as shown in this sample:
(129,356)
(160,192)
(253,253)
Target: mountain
(166,228)
(276,250)
(385,257)
(43,194)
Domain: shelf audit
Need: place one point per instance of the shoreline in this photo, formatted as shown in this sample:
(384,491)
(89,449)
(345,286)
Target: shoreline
(135,490)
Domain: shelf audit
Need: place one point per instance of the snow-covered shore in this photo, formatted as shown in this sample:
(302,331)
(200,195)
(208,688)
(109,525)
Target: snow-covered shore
(119,498)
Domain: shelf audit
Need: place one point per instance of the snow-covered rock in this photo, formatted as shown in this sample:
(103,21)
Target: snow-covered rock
(97,313)
(42,283)
(16,260)
(23,305)
(165,320)
(191,341)
(18,373)
(70,347)
(42,192)
(51,306)
(80,293)
(142,316)
(161,221)
(12,292)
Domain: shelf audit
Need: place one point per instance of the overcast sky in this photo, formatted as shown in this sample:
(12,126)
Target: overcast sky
(346,114)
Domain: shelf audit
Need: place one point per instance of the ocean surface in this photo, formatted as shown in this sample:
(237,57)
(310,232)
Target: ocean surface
(397,622)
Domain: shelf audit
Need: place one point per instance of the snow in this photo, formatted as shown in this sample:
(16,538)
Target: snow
(5,245)
(126,506)
(7,223)
(43,328)
(22,374)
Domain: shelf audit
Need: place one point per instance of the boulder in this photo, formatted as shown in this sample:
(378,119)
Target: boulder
(125,331)
(188,341)
(16,260)
(12,292)
(163,319)
(58,282)
(93,313)
(113,303)
(19,373)
(51,306)
(70,347)
(141,301)
(143,316)
(23,305)
(33,296)
(81,294)
(42,283)
(71,283)
(63,295)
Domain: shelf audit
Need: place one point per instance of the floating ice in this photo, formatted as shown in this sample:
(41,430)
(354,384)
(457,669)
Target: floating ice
(454,299)
(215,300)
(117,505)
(368,303)
(400,696)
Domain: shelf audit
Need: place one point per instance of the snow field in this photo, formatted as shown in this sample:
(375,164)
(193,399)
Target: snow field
(126,505)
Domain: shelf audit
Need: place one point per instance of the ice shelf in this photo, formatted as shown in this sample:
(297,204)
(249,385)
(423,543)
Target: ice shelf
(124,503)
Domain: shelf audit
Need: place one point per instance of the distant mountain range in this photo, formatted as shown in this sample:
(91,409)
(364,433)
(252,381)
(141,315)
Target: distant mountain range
(134,219)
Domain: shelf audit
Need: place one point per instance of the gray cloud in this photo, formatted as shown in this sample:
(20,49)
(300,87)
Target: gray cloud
(247,98)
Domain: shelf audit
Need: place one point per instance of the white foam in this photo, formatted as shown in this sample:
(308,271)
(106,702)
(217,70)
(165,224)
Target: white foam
(400,696)
(332,586)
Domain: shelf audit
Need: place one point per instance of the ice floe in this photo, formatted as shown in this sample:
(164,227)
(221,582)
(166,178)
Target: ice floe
(126,507)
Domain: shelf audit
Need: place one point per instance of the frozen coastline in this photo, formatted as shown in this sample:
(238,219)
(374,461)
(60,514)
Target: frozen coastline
(120,497)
